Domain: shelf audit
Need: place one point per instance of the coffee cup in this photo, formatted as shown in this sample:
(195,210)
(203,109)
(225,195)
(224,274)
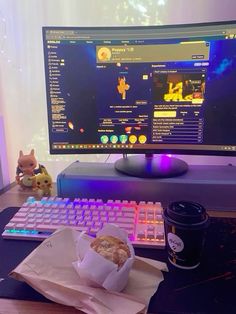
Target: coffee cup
(185,231)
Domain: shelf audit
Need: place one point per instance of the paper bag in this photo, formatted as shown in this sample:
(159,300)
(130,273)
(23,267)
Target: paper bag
(48,269)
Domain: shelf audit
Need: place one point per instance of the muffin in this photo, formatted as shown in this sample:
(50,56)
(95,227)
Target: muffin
(111,248)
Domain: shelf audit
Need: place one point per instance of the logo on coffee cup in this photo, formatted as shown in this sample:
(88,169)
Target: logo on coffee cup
(175,243)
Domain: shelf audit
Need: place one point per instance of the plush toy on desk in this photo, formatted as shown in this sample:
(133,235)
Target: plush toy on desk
(26,169)
(43,182)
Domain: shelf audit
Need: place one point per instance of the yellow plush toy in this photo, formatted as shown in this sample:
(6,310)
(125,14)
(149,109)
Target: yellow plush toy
(43,182)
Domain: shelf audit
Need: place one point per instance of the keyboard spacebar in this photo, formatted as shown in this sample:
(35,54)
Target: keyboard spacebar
(52,228)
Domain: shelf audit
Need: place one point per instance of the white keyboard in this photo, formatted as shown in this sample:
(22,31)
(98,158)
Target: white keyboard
(36,220)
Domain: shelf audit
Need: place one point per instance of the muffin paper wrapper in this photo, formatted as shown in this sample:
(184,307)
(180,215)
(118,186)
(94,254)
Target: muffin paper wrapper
(95,270)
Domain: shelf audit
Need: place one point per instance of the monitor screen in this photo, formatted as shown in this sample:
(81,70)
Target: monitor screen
(147,90)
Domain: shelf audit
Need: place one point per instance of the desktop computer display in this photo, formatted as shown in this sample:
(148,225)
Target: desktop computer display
(142,90)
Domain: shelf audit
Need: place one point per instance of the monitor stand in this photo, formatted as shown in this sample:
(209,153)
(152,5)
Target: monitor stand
(150,166)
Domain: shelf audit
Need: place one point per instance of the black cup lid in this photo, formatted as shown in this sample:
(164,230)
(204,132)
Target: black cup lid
(186,212)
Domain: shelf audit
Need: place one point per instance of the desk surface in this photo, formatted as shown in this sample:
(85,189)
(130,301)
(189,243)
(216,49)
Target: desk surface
(14,197)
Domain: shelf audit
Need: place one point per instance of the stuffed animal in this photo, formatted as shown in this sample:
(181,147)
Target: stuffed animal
(26,169)
(43,182)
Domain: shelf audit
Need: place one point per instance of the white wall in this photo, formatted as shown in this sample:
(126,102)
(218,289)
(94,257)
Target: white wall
(22,85)
(4,169)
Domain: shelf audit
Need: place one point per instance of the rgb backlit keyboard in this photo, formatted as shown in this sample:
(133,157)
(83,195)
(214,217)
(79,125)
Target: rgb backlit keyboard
(36,220)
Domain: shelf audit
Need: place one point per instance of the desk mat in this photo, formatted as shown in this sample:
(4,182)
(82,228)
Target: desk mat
(208,289)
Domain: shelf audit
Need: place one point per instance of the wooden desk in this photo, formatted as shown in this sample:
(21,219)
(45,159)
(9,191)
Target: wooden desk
(27,307)
(13,197)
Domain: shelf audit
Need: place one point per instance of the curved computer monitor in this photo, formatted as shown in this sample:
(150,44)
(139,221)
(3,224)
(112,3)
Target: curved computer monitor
(142,90)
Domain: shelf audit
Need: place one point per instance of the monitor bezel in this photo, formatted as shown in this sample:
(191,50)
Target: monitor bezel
(179,151)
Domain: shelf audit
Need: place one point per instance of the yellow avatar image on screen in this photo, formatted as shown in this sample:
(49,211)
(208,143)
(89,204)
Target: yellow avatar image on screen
(104,54)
